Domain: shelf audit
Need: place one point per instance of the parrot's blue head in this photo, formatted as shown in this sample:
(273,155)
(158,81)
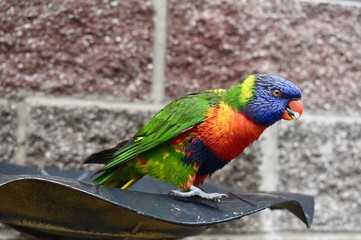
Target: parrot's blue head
(273,98)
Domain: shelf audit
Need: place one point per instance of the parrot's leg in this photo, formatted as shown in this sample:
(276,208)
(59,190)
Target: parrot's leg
(194,191)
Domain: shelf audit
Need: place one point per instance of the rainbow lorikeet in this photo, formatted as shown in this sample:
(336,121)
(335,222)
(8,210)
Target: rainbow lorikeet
(198,134)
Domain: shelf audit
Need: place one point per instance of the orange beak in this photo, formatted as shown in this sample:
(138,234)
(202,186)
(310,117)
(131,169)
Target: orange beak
(293,110)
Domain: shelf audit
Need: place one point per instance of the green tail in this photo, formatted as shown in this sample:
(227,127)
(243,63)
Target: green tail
(104,156)
(122,176)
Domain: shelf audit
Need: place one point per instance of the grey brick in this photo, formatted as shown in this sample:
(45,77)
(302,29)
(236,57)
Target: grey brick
(8,131)
(62,136)
(323,159)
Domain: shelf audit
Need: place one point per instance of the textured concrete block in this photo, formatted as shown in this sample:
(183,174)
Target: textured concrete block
(76,48)
(62,136)
(8,131)
(214,44)
(323,159)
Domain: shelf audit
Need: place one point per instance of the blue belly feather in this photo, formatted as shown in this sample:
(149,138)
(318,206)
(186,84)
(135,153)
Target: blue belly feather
(197,151)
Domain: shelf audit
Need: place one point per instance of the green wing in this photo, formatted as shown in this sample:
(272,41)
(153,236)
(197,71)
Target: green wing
(171,121)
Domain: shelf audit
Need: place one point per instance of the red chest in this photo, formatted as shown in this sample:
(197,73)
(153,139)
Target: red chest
(227,133)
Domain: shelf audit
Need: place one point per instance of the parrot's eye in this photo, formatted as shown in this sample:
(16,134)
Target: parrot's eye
(276,93)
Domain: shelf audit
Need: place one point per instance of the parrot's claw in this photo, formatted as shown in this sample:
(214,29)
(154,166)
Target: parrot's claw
(194,191)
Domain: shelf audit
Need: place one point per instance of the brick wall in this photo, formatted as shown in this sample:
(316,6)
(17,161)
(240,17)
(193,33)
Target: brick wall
(79,76)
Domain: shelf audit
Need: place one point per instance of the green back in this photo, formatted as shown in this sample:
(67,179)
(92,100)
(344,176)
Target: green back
(171,121)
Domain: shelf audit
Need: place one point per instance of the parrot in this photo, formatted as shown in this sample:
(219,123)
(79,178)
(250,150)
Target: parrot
(197,135)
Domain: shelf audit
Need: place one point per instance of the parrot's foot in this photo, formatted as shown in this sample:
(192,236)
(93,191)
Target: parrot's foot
(194,191)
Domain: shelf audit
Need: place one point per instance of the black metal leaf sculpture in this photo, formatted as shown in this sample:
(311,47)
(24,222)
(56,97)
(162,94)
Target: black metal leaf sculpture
(52,204)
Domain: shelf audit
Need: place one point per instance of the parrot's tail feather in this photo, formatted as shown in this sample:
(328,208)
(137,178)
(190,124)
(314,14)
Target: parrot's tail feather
(121,176)
(105,156)
(118,177)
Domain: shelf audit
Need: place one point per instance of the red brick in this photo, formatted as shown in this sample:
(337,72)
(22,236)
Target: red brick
(76,48)
(215,44)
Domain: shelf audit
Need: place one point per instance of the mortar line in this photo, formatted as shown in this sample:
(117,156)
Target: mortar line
(21,136)
(159,50)
(319,116)
(269,167)
(329,117)
(269,170)
(77,102)
(350,3)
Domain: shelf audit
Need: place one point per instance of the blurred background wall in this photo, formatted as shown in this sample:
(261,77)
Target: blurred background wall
(80,76)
